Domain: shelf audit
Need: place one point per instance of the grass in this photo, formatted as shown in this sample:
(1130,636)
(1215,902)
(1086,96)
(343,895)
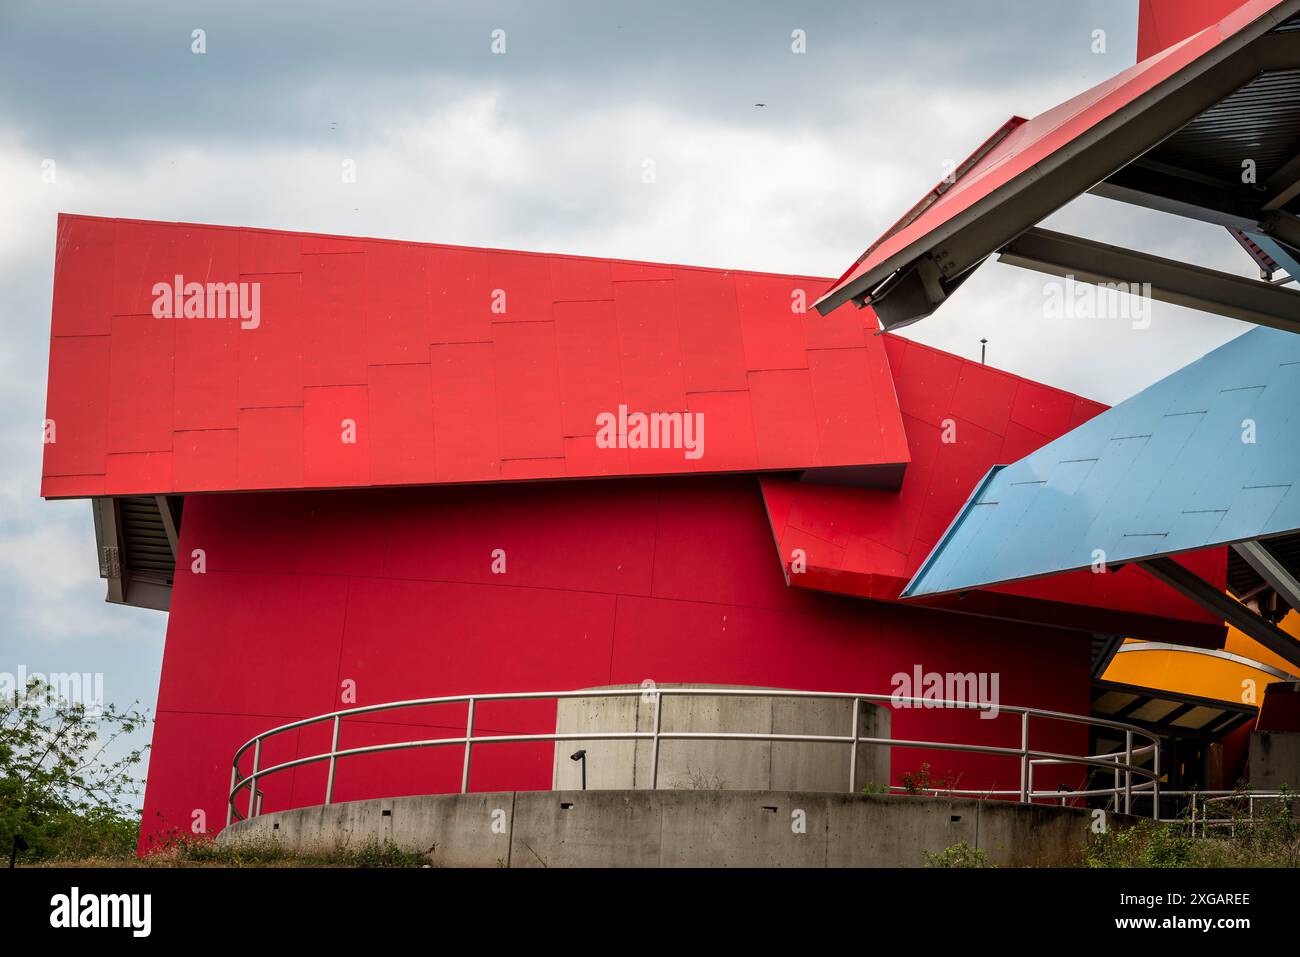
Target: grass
(1270,839)
(205,852)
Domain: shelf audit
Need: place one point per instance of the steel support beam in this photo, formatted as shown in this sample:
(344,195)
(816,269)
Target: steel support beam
(169,523)
(1224,606)
(1284,255)
(1178,192)
(108,545)
(1284,185)
(917,290)
(1168,189)
(1170,281)
(1267,566)
(1278,51)
(1283,227)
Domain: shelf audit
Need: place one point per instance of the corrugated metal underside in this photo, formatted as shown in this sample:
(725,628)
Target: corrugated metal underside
(135,539)
(148,554)
(1260,122)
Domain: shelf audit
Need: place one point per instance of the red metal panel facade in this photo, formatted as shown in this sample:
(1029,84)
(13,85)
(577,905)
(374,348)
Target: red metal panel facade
(609,582)
(962,418)
(371,362)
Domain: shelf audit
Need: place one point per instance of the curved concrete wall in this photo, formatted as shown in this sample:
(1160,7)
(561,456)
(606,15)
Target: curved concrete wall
(684,829)
(1275,760)
(719,765)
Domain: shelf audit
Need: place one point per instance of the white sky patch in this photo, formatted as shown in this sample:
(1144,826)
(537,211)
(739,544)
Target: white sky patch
(52,566)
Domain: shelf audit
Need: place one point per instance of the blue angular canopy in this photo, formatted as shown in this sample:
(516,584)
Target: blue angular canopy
(1208,456)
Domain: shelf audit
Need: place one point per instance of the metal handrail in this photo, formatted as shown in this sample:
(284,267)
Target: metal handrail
(1029,758)
(1217,797)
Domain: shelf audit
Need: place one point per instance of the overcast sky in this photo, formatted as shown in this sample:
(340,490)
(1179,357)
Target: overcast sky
(539,148)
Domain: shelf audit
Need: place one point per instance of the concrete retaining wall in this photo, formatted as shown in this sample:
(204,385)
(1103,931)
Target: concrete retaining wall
(627,828)
(720,765)
(1275,760)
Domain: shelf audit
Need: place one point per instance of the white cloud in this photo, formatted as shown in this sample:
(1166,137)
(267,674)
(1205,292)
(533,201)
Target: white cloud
(52,582)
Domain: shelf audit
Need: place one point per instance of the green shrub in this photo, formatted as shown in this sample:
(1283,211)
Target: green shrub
(960,854)
(1144,844)
(1269,838)
(59,794)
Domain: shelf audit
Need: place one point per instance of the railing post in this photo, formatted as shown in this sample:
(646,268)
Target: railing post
(469,735)
(1025,772)
(1114,790)
(334,748)
(1128,772)
(654,745)
(252,778)
(1155,783)
(230,795)
(853,749)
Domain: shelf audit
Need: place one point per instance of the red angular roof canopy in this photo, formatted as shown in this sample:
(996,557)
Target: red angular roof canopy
(960,417)
(1029,169)
(452,364)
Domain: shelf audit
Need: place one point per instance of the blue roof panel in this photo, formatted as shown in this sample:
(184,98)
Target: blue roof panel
(1208,456)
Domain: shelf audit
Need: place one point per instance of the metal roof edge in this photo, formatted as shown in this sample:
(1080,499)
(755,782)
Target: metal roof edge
(949,532)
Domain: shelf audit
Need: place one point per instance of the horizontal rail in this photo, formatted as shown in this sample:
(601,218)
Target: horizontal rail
(1121,763)
(926,704)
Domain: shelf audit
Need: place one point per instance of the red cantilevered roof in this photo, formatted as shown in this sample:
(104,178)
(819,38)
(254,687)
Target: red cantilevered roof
(1027,170)
(374,363)
(963,417)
